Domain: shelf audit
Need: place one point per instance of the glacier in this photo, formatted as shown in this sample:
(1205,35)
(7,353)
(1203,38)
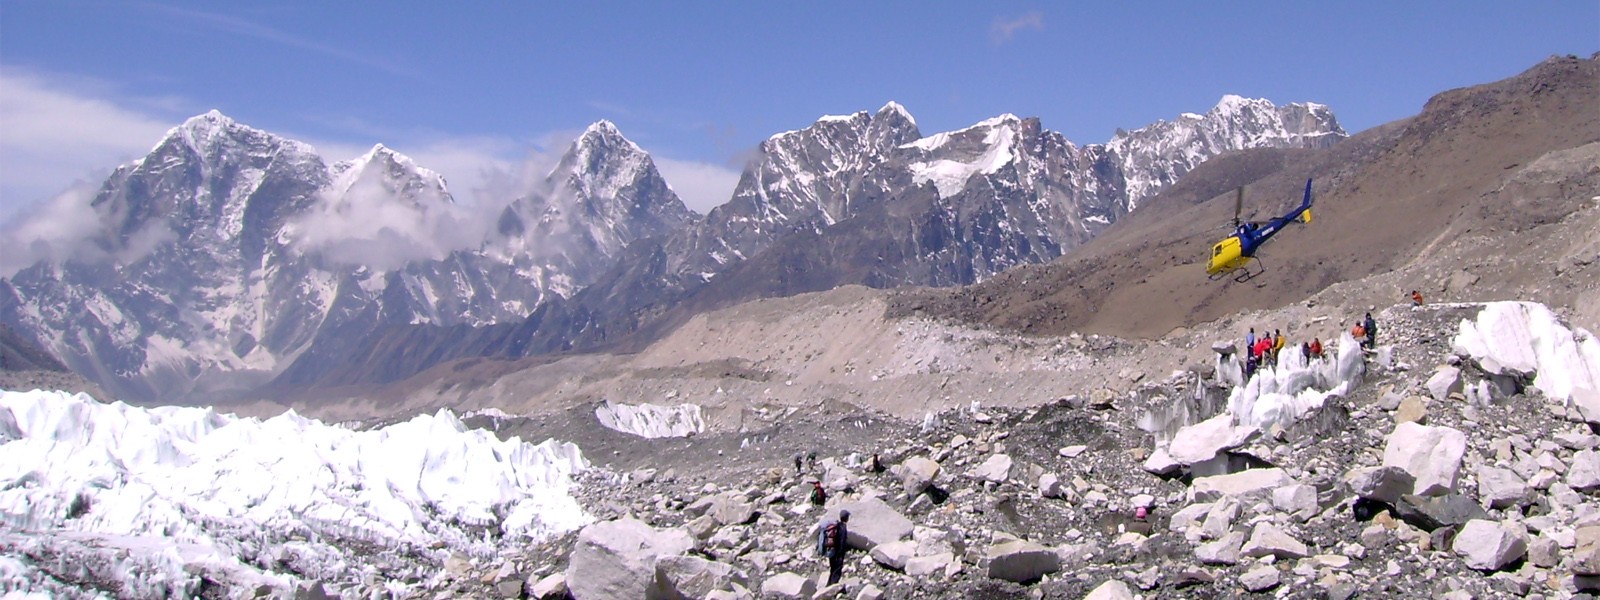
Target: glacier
(154,501)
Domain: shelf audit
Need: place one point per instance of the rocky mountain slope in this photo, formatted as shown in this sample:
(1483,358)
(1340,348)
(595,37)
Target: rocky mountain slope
(1477,197)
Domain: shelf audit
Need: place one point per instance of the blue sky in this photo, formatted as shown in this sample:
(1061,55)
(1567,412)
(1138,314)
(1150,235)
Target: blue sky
(482,90)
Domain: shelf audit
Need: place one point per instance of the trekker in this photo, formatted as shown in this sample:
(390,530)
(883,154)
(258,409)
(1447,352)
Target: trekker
(819,496)
(1250,364)
(1372,331)
(797,462)
(1316,348)
(1250,339)
(831,542)
(1358,332)
(811,460)
(1416,298)
(1278,342)
(1305,352)
(1263,351)
(875,466)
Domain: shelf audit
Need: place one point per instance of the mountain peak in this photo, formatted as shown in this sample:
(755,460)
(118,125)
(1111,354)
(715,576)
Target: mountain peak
(894,108)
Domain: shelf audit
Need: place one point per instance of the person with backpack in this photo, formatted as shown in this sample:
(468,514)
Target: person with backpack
(832,541)
(819,496)
(1371,328)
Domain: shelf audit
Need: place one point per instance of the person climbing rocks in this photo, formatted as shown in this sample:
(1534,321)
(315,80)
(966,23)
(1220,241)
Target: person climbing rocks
(1416,298)
(798,460)
(1250,340)
(1316,348)
(1358,332)
(1371,328)
(832,542)
(1278,342)
(874,465)
(819,496)
(811,460)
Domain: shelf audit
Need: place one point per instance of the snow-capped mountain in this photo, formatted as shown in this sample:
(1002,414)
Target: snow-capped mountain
(229,253)
(1153,157)
(865,199)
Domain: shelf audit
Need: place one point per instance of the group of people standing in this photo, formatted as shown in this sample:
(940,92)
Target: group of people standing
(1263,350)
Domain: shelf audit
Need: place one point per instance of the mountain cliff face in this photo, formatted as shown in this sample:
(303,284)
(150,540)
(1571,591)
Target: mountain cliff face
(229,256)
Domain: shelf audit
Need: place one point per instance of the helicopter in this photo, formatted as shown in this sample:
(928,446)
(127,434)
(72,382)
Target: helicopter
(1233,254)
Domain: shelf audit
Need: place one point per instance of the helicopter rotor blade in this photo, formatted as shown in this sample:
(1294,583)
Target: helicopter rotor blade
(1238,204)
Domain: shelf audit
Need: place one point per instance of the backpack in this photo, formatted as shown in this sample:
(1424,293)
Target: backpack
(827,538)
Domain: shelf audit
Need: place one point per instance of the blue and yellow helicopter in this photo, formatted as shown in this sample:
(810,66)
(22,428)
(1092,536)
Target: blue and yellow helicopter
(1233,254)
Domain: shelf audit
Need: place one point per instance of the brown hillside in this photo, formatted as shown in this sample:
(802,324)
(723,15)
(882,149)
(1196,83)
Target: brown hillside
(1391,197)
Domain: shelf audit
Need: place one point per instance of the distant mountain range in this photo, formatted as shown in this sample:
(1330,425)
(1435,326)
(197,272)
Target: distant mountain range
(231,261)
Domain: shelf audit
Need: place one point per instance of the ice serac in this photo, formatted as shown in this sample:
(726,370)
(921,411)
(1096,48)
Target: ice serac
(1526,340)
(171,490)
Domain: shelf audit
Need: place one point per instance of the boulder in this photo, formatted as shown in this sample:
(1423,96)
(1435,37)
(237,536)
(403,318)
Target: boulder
(1501,488)
(788,586)
(1260,579)
(1433,512)
(1247,484)
(1110,590)
(916,474)
(1445,381)
(1267,540)
(1161,463)
(1225,551)
(729,509)
(616,559)
(1050,485)
(894,554)
(1490,545)
(1021,561)
(1384,484)
(686,577)
(1586,552)
(1430,454)
(549,588)
(1202,441)
(1414,409)
(1584,474)
(923,566)
(871,523)
(1298,498)
(996,469)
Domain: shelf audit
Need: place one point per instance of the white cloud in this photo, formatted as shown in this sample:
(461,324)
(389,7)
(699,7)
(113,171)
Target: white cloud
(1003,29)
(54,136)
(701,186)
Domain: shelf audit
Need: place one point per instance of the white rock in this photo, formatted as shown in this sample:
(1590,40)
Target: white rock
(923,566)
(1161,463)
(616,559)
(1500,488)
(1267,540)
(871,523)
(1225,551)
(1202,441)
(551,586)
(693,577)
(996,469)
(1021,561)
(1050,485)
(1585,471)
(894,554)
(1297,498)
(916,473)
(1073,451)
(1430,454)
(1445,380)
(1260,578)
(1110,590)
(1247,484)
(1489,545)
(784,585)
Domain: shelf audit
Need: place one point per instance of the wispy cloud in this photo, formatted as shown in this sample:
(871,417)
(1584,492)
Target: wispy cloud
(59,130)
(235,25)
(1004,29)
(701,186)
